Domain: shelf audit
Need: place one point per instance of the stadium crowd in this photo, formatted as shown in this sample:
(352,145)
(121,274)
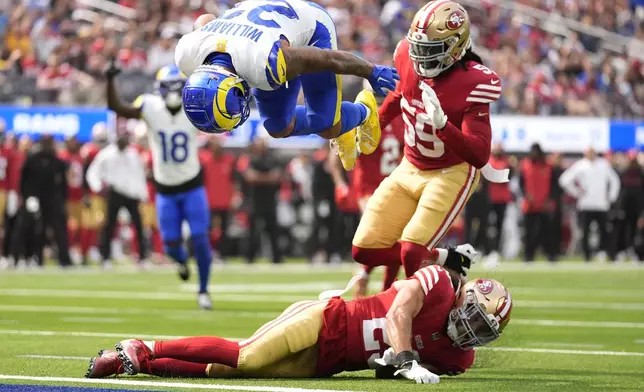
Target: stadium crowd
(562,62)
(567,61)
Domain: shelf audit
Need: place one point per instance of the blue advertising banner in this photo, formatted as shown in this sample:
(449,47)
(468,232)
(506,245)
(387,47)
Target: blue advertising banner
(253,128)
(61,122)
(625,135)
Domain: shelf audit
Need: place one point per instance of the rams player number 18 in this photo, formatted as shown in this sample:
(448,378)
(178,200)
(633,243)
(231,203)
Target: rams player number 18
(272,49)
(180,195)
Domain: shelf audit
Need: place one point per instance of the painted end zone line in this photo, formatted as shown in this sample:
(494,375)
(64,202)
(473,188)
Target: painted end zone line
(182,385)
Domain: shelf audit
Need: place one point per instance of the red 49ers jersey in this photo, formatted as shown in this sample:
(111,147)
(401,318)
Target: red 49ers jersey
(5,160)
(365,330)
(75,173)
(371,169)
(464,93)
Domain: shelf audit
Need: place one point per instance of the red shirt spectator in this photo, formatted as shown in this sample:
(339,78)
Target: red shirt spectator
(218,169)
(536,183)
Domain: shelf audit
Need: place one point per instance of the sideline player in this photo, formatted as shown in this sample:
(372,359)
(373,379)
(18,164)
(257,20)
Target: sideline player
(94,206)
(271,49)
(75,194)
(180,194)
(444,97)
(369,172)
(420,328)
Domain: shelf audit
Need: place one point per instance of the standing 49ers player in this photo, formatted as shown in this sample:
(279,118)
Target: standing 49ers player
(444,97)
(420,328)
(75,193)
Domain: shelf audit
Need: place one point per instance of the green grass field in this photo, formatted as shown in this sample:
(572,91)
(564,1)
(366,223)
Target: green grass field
(574,327)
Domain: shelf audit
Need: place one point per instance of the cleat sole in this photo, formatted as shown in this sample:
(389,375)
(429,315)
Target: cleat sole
(128,366)
(90,368)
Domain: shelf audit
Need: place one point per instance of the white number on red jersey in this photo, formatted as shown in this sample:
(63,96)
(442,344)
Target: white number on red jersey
(369,328)
(390,155)
(75,177)
(416,124)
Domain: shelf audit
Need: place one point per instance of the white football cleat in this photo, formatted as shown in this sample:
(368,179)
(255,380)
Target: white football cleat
(204,301)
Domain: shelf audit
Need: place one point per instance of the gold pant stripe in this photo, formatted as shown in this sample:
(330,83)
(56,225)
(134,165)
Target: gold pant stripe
(458,205)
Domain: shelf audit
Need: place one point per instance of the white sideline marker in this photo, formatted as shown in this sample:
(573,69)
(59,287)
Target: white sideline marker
(183,385)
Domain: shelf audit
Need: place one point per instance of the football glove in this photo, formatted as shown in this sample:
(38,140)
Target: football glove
(436,115)
(112,70)
(411,370)
(383,78)
(460,258)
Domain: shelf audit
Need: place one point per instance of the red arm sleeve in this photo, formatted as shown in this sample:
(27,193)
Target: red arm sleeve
(472,142)
(390,108)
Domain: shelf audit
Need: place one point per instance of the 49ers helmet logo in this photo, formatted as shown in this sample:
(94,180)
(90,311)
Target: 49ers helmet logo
(455,21)
(484,286)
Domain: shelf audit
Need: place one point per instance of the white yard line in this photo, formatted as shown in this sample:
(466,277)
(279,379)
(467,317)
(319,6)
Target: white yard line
(154,296)
(557,351)
(162,384)
(308,269)
(36,356)
(567,345)
(106,320)
(174,296)
(572,323)
(86,334)
(639,341)
(165,313)
(579,305)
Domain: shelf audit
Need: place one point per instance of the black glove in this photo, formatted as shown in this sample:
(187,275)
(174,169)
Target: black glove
(112,70)
(460,258)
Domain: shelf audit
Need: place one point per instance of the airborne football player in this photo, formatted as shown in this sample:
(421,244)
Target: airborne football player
(444,96)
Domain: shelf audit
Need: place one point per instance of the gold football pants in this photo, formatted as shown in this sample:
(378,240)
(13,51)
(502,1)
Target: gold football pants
(415,205)
(284,347)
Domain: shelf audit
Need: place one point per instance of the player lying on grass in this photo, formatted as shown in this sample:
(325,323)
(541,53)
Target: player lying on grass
(422,327)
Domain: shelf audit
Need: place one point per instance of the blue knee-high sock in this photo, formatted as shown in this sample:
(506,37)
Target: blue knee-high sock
(176,251)
(351,115)
(203,255)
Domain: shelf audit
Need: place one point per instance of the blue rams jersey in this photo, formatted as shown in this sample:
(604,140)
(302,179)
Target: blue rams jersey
(251,33)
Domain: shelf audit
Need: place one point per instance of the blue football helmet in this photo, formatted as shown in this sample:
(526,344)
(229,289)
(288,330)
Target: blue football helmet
(169,84)
(216,100)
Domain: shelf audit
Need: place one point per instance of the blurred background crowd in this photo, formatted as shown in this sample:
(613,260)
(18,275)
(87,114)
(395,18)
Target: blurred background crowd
(555,57)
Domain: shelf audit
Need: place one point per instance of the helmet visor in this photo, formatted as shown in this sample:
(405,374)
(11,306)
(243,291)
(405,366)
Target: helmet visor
(470,325)
(431,58)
